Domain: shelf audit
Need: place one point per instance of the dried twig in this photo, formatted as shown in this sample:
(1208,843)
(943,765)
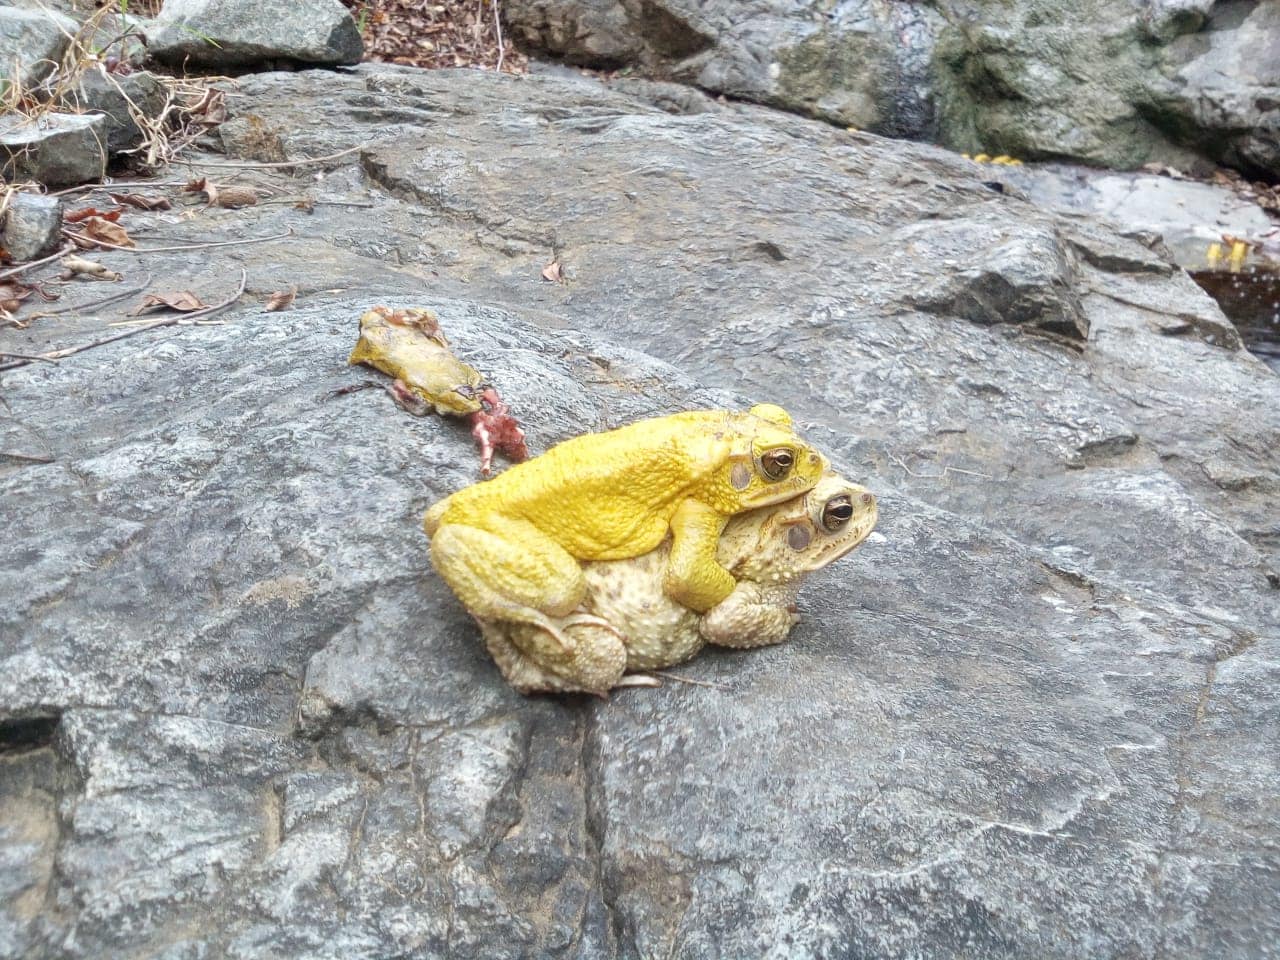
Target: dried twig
(682,679)
(274,165)
(26,457)
(90,187)
(35,263)
(78,308)
(27,356)
(497,29)
(938,476)
(164,322)
(193,246)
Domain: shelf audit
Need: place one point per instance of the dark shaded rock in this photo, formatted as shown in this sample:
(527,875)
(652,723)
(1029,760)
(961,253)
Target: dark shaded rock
(239,33)
(1223,97)
(1032,717)
(32,42)
(31,226)
(59,148)
(1022,277)
(115,96)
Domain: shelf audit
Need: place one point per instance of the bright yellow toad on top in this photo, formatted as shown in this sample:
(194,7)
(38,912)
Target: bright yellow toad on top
(510,547)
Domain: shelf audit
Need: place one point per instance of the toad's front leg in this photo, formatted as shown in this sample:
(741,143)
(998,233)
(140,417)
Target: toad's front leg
(694,578)
(752,616)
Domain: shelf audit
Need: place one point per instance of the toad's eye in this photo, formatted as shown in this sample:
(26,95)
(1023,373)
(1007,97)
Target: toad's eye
(776,464)
(836,513)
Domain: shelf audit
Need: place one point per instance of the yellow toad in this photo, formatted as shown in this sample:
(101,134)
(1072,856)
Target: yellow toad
(511,547)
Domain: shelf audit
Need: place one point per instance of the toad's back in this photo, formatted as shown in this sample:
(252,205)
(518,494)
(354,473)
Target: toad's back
(601,496)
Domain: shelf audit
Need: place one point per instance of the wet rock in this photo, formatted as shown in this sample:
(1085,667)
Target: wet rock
(1039,699)
(56,149)
(113,96)
(32,41)
(31,226)
(1187,215)
(239,33)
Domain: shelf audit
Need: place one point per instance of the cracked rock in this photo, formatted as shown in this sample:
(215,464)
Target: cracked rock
(31,226)
(56,149)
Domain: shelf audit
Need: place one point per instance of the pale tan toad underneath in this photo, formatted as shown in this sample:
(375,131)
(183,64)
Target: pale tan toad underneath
(768,551)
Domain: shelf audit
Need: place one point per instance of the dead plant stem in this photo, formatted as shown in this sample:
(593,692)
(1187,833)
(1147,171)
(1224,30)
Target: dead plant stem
(193,246)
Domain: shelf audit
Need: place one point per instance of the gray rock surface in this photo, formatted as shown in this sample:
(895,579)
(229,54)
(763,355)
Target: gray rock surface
(238,33)
(54,149)
(31,225)
(1109,82)
(32,43)
(1035,717)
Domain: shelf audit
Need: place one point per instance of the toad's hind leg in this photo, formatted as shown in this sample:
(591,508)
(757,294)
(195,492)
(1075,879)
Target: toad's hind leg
(523,576)
(591,661)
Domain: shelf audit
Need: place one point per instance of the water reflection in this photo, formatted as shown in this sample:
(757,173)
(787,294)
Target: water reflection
(1251,300)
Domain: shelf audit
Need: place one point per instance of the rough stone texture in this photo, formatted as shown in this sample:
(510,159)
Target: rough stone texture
(1035,717)
(237,33)
(31,226)
(114,96)
(1107,82)
(33,42)
(56,149)
(1224,97)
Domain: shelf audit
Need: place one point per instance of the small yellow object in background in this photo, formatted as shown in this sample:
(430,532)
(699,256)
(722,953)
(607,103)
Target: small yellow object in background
(1239,250)
(1003,159)
(1214,256)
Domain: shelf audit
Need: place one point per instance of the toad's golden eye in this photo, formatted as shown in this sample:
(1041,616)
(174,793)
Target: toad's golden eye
(776,464)
(837,512)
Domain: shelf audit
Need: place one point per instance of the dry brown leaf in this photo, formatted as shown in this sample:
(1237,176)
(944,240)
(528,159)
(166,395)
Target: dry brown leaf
(235,197)
(205,186)
(11,293)
(75,216)
(553,272)
(281,299)
(74,266)
(210,108)
(95,228)
(182,300)
(141,201)
(306,205)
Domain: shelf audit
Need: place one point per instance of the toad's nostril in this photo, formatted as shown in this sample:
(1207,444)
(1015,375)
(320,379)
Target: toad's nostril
(868,499)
